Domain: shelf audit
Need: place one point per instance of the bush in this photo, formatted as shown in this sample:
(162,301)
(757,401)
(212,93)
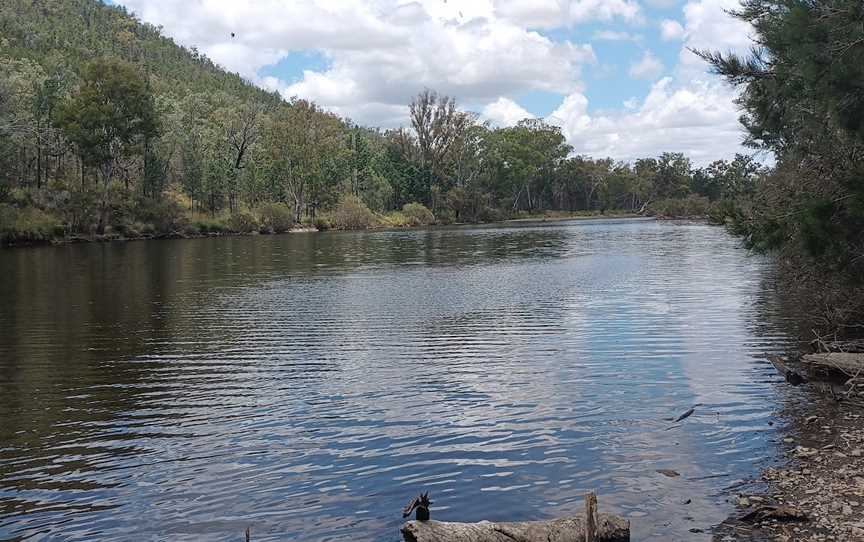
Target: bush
(275,217)
(323,222)
(27,225)
(395,219)
(691,206)
(209,225)
(80,211)
(417,214)
(164,215)
(243,222)
(352,214)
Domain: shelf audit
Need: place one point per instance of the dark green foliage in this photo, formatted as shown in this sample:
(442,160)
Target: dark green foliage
(275,217)
(418,214)
(110,116)
(243,222)
(112,128)
(803,97)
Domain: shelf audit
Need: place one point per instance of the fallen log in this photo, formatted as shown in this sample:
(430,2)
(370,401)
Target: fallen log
(849,363)
(608,529)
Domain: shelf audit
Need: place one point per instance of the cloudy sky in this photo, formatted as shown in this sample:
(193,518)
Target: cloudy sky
(616,75)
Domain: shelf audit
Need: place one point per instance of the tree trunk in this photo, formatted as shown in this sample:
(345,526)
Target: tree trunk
(608,529)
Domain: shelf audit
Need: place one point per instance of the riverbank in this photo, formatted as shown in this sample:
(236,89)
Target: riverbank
(817,490)
(552,216)
(201,229)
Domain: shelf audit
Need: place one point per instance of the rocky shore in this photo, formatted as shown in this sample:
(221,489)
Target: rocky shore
(817,492)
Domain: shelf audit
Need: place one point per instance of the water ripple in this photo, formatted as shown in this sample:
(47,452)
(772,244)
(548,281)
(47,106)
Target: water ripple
(308,385)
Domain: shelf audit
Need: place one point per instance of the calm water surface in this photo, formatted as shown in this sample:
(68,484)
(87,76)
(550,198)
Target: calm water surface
(308,385)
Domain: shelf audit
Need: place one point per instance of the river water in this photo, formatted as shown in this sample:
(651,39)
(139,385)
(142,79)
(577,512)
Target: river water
(308,385)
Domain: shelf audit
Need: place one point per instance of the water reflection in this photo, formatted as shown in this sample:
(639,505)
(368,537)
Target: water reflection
(308,384)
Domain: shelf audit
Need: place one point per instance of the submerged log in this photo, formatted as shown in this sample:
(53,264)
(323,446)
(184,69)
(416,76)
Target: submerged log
(608,529)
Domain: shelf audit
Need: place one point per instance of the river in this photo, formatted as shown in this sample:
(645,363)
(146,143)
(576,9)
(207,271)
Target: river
(308,385)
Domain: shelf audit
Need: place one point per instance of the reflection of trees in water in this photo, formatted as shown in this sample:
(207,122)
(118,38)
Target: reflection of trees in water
(77,321)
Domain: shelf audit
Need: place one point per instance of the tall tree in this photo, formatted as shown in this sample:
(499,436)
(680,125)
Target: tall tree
(109,118)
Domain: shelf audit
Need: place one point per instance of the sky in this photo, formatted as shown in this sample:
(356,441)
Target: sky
(616,75)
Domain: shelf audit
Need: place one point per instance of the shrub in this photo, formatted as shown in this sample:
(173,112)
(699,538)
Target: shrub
(243,222)
(352,214)
(395,219)
(27,225)
(323,222)
(165,215)
(209,225)
(275,217)
(417,214)
(80,211)
(690,206)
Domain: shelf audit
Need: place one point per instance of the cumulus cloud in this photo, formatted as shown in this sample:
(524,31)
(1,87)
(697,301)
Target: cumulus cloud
(708,26)
(700,121)
(557,13)
(505,112)
(671,30)
(647,67)
(690,111)
(380,53)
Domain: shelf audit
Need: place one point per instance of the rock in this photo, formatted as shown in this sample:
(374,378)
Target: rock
(775,513)
(847,510)
(743,502)
(669,473)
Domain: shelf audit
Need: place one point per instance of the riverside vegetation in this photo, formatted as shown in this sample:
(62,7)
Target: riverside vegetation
(108,129)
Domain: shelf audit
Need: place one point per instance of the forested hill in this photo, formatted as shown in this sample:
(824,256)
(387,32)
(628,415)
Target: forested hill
(110,130)
(61,35)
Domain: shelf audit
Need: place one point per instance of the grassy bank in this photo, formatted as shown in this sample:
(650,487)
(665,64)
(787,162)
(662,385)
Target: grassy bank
(28,220)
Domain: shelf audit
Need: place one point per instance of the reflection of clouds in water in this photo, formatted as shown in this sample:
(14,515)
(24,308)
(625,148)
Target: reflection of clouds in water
(507,370)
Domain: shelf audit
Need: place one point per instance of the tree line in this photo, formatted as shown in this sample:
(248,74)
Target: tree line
(109,128)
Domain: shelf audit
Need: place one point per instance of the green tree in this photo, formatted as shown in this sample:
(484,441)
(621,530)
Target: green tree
(803,100)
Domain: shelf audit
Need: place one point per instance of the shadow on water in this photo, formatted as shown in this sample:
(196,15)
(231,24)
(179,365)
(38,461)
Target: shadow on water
(308,384)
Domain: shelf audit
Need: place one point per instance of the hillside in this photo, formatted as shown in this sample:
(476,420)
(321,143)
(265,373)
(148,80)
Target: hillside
(67,34)
(108,129)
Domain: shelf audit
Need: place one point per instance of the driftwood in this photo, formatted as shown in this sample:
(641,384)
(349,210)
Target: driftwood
(848,363)
(834,374)
(591,519)
(609,529)
(593,527)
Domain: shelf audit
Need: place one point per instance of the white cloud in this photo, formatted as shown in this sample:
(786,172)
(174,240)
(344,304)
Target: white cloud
(671,30)
(708,25)
(691,111)
(505,112)
(662,4)
(612,35)
(557,13)
(700,121)
(648,67)
(380,53)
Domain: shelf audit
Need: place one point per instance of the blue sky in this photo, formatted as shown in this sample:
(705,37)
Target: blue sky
(614,74)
